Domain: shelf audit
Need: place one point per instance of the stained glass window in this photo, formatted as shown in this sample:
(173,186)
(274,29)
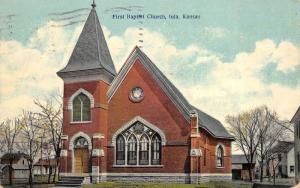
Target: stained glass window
(140,144)
(220,157)
(132,147)
(156,150)
(81,108)
(120,150)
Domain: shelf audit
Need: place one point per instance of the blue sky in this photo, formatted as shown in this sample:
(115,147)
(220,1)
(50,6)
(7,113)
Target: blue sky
(238,55)
(244,21)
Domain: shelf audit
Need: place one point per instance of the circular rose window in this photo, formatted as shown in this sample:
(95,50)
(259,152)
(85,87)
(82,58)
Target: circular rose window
(136,94)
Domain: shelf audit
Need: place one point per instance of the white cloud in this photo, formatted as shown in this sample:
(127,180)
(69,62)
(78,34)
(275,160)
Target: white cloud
(235,86)
(13,106)
(287,55)
(29,70)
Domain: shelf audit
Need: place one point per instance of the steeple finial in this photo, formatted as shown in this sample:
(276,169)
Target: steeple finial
(93,5)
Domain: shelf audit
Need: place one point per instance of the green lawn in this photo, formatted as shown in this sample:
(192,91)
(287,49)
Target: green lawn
(169,185)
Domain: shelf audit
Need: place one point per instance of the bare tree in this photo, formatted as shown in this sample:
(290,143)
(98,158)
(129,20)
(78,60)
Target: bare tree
(274,156)
(47,151)
(256,132)
(51,115)
(31,132)
(270,130)
(9,130)
(274,164)
(245,128)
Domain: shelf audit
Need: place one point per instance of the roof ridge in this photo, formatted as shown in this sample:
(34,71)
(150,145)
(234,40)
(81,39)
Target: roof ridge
(98,47)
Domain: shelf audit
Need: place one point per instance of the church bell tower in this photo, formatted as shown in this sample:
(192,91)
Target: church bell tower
(87,77)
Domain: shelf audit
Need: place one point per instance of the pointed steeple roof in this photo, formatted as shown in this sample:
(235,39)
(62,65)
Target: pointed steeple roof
(91,51)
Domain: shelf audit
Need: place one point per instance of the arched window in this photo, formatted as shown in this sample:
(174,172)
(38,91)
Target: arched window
(144,150)
(81,108)
(155,149)
(120,150)
(81,142)
(142,146)
(132,150)
(220,156)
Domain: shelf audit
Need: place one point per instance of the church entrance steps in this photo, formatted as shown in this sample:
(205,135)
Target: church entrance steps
(70,181)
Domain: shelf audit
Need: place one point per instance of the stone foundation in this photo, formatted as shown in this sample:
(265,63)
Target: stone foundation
(163,177)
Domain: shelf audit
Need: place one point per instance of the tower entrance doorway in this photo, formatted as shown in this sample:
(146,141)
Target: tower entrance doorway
(81,155)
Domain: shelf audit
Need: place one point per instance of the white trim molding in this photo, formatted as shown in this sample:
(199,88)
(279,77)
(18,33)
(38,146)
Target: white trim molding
(98,136)
(64,137)
(135,55)
(82,134)
(224,154)
(143,121)
(97,153)
(195,152)
(216,174)
(90,96)
(222,145)
(63,153)
(95,171)
(71,145)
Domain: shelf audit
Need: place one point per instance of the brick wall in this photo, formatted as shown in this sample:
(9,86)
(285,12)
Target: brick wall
(157,108)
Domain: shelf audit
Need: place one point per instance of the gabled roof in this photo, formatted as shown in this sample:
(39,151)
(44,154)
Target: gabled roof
(213,126)
(91,51)
(172,92)
(15,166)
(14,156)
(240,159)
(296,116)
(45,162)
(282,147)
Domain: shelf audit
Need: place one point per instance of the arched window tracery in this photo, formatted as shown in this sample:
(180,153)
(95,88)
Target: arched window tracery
(120,150)
(142,146)
(132,150)
(156,149)
(81,108)
(81,142)
(220,156)
(144,150)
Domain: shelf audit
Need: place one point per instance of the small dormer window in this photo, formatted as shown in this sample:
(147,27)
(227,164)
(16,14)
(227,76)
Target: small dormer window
(81,108)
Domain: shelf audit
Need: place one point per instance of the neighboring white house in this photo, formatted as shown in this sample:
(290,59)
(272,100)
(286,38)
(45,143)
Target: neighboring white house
(285,158)
(296,121)
(291,162)
(18,171)
(19,165)
(44,166)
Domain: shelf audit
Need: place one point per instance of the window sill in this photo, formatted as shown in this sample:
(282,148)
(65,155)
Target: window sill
(138,166)
(80,122)
(220,167)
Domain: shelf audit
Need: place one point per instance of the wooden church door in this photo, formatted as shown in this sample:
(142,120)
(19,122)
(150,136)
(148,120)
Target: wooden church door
(81,155)
(81,160)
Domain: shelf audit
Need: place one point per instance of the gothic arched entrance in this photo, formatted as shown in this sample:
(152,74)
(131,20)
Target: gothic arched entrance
(81,155)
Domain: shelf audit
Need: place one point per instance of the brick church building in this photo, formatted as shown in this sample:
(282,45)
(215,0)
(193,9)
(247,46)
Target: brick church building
(133,124)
